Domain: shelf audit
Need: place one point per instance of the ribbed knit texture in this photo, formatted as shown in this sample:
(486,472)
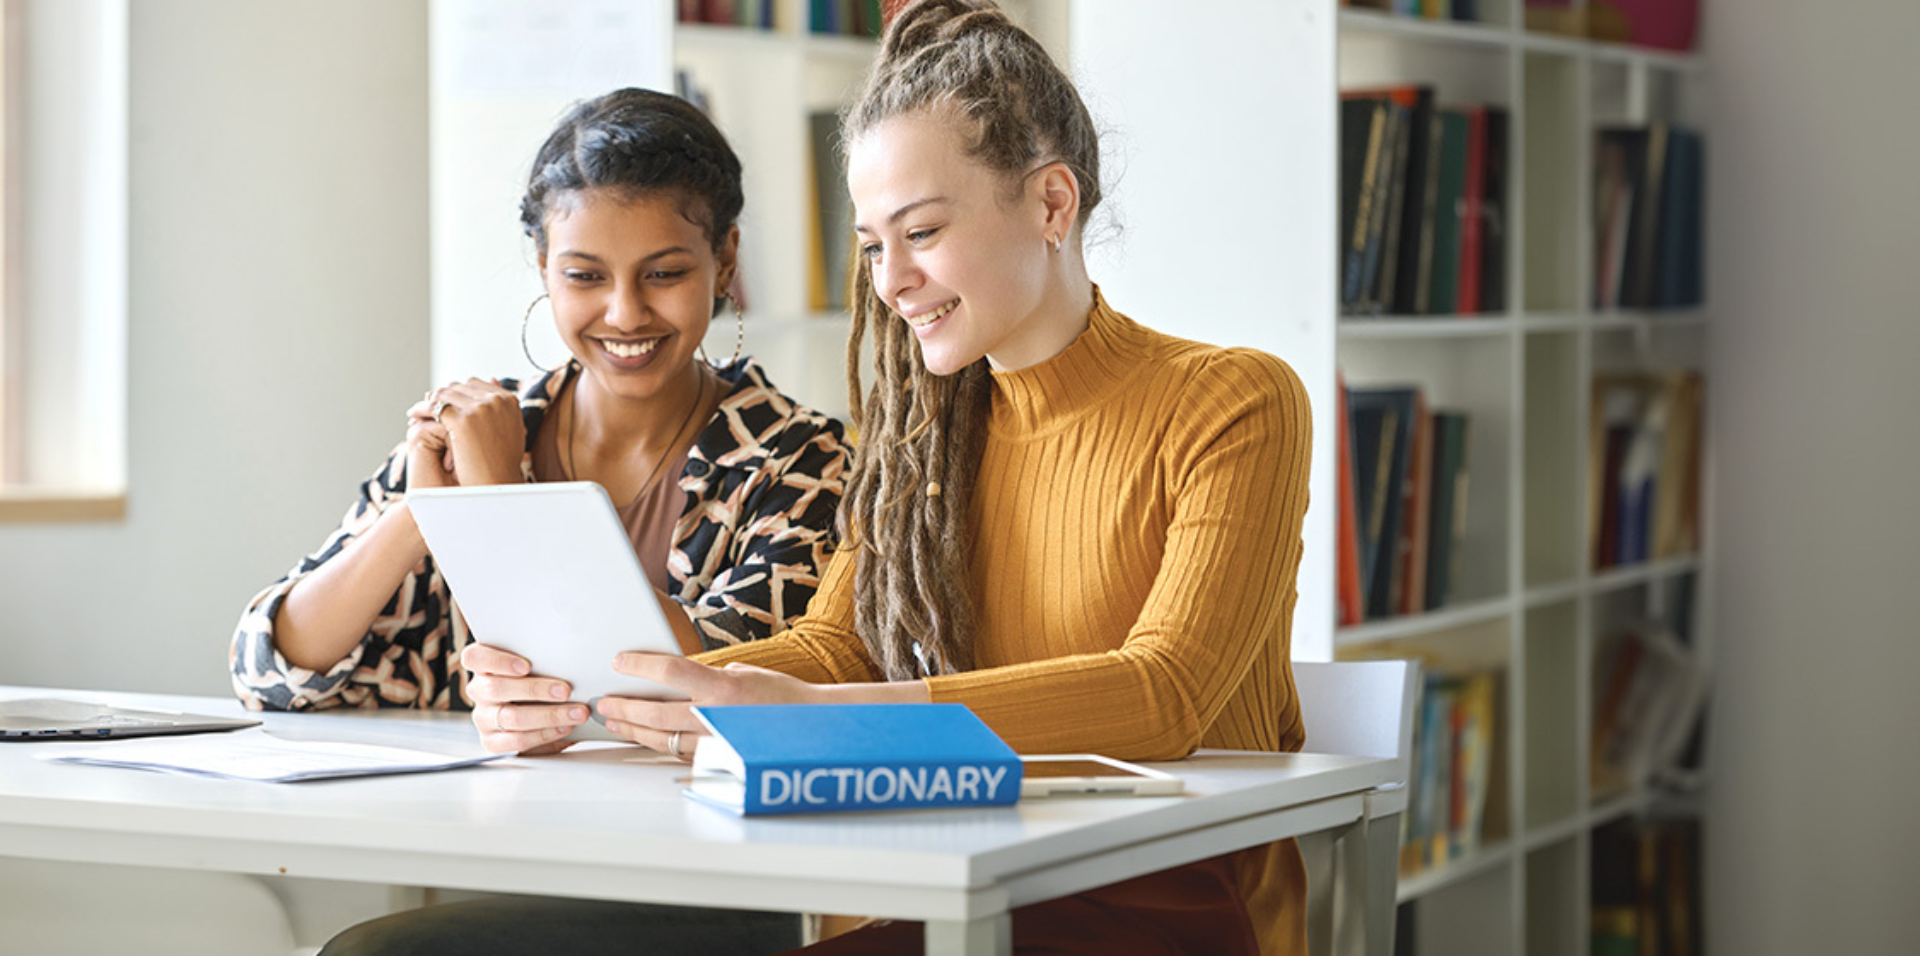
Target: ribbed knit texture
(1136,534)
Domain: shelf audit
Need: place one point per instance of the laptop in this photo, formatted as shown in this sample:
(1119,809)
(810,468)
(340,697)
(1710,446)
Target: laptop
(57,719)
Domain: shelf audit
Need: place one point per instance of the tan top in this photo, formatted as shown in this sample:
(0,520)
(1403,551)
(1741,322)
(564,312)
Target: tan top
(1136,534)
(651,517)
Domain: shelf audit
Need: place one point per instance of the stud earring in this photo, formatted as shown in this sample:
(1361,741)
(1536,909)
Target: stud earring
(1057,240)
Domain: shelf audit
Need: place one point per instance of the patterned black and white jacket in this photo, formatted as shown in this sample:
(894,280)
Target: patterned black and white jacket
(763,482)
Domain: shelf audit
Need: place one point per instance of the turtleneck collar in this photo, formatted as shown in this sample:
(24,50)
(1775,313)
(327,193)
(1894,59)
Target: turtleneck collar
(1035,400)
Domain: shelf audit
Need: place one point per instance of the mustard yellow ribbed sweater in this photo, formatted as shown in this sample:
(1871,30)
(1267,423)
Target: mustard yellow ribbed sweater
(1136,533)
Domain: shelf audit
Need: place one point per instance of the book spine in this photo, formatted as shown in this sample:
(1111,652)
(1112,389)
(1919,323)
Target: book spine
(805,788)
(1363,214)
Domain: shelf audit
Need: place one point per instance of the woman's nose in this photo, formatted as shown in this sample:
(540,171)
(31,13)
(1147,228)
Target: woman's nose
(627,309)
(895,275)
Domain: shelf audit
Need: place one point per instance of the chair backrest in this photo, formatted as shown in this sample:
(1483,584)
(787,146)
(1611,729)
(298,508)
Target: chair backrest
(1363,708)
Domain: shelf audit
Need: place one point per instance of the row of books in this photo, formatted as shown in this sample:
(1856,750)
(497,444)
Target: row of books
(1649,691)
(753,14)
(859,18)
(1423,195)
(1429,9)
(1644,479)
(1646,888)
(1667,24)
(1403,501)
(1456,737)
(862,18)
(1647,217)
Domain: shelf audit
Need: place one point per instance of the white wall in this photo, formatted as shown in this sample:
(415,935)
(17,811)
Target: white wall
(1220,259)
(277,330)
(503,72)
(1814,220)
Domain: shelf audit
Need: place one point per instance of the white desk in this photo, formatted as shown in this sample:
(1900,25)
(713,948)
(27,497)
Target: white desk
(611,824)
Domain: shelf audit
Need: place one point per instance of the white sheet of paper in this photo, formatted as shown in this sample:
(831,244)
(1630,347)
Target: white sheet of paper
(254,755)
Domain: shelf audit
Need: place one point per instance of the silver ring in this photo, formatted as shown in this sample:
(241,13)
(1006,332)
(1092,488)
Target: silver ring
(438,407)
(496,720)
(673,744)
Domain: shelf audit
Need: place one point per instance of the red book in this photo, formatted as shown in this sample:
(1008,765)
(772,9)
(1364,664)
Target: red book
(1467,292)
(1347,550)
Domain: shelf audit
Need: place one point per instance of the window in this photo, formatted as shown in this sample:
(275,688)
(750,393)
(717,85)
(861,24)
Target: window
(63,189)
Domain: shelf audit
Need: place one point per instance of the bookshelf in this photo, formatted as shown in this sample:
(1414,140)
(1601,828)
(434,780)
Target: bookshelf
(1528,599)
(761,85)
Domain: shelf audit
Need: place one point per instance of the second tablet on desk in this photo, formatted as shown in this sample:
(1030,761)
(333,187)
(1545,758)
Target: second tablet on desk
(1050,774)
(547,572)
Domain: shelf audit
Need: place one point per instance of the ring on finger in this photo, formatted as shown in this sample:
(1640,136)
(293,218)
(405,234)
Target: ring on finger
(673,745)
(497,712)
(438,407)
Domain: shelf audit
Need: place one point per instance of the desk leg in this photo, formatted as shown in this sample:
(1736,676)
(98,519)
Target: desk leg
(1383,882)
(988,936)
(1352,934)
(1316,851)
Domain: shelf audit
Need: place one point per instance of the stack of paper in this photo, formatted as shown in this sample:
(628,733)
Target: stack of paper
(253,755)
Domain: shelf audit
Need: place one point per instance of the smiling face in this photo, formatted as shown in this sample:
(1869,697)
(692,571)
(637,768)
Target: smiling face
(953,254)
(633,280)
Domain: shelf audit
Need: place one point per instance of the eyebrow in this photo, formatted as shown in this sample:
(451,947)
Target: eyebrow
(590,257)
(901,213)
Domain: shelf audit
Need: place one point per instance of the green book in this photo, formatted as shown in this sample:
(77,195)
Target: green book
(1446,516)
(1442,295)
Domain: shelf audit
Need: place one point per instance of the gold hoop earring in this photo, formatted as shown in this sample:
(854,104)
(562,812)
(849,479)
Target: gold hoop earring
(739,330)
(524,350)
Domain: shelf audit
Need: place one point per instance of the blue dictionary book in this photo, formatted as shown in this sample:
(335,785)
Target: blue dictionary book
(824,758)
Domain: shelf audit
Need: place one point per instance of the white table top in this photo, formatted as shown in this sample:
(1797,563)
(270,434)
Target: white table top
(610,822)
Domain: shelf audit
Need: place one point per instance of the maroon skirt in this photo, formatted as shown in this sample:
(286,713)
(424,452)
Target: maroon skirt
(1193,910)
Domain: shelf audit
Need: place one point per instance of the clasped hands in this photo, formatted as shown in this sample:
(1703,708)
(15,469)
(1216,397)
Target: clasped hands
(465,433)
(517,711)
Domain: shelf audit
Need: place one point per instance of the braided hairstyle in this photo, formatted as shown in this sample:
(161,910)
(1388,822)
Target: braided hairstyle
(636,142)
(922,435)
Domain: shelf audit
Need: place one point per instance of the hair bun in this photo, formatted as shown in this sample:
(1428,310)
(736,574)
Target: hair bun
(923,23)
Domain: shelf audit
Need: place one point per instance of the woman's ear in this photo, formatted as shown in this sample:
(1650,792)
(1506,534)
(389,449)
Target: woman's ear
(729,256)
(1059,191)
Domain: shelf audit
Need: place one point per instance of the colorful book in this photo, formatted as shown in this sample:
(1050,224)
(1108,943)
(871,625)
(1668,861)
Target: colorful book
(1360,173)
(1353,604)
(1410,578)
(1473,190)
(767,759)
(1388,475)
(1373,428)
(1444,279)
(1447,516)
(1493,216)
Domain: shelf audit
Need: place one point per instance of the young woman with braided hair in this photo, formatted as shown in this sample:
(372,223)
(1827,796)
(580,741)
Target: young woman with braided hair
(727,487)
(1086,531)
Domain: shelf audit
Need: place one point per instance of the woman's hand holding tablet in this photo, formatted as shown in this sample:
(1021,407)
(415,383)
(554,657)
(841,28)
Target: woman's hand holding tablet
(551,592)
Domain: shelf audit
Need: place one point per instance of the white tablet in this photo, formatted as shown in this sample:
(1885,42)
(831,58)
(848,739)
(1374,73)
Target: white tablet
(547,572)
(1046,775)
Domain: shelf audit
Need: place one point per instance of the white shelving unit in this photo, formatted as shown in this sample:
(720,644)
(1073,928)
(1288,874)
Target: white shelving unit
(761,86)
(1527,599)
